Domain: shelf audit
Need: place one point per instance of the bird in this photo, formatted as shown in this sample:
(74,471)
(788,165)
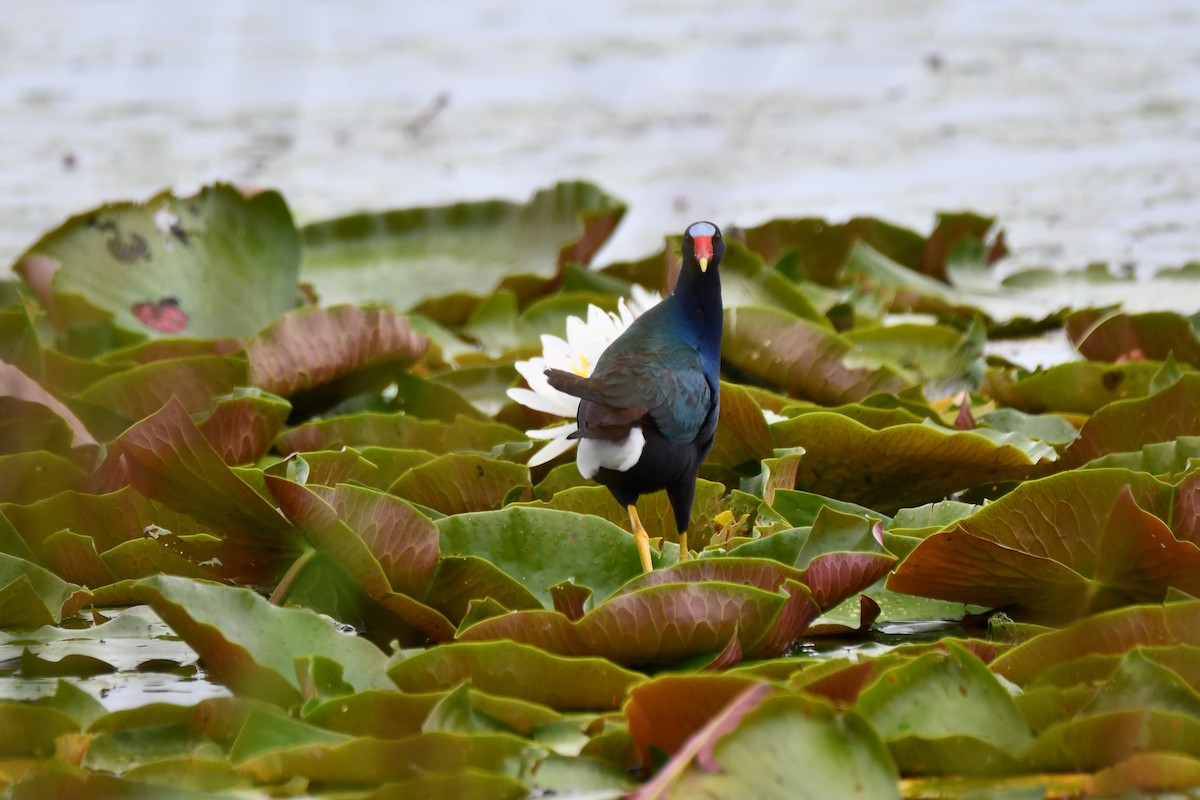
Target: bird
(648,411)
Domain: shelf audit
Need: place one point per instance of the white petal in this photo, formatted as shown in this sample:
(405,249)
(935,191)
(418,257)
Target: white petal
(553,432)
(550,401)
(551,451)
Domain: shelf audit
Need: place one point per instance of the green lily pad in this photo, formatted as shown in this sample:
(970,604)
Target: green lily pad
(403,432)
(516,670)
(250,645)
(1127,425)
(31,595)
(462,247)
(1080,387)
(780,747)
(215,264)
(1112,632)
(902,465)
(945,713)
(460,482)
(543,547)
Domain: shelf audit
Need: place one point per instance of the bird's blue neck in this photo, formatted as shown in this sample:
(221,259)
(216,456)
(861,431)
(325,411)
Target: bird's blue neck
(698,303)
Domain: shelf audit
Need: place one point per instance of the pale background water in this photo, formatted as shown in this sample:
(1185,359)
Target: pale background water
(1077,123)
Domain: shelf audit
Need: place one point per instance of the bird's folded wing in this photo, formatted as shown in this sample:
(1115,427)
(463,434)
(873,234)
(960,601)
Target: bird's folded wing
(668,385)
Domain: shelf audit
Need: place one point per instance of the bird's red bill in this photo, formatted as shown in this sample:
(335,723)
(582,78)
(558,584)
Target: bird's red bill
(702,247)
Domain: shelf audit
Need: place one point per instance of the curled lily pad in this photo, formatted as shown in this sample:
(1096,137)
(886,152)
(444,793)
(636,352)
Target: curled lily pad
(193,381)
(1102,335)
(1080,387)
(799,357)
(776,747)
(1129,424)
(33,419)
(516,670)
(1060,546)
(902,465)
(31,595)
(319,355)
(1113,632)
(661,624)
(168,459)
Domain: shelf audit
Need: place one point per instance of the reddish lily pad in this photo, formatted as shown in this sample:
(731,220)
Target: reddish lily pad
(242,426)
(318,355)
(1129,424)
(351,525)
(168,459)
(799,357)
(661,624)
(665,712)
(1102,335)
(1060,547)
(33,419)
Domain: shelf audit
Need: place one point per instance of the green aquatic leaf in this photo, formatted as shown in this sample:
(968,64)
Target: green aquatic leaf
(1079,387)
(517,670)
(457,483)
(252,646)
(1112,632)
(945,713)
(218,263)
(31,595)
(542,547)
(901,465)
(402,431)
(461,247)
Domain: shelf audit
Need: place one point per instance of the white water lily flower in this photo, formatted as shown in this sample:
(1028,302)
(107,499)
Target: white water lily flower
(578,353)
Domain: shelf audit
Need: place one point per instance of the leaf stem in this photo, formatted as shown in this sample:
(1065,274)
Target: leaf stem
(285,583)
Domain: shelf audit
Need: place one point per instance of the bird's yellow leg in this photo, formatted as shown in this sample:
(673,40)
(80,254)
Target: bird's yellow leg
(641,538)
(684,555)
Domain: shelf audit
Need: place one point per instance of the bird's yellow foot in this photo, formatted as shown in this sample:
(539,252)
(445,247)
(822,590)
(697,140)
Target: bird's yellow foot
(641,538)
(684,554)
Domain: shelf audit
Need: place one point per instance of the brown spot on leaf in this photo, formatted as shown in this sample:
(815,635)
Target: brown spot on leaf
(1112,380)
(165,316)
(129,250)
